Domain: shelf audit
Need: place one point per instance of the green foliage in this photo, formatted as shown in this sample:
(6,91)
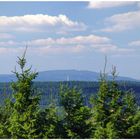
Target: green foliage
(23,120)
(49,122)
(75,123)
(111,131)
(5,113)
(114,111)
(134,129)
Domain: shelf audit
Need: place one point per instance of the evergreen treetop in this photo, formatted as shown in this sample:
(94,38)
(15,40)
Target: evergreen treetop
(23,120)
(113,110)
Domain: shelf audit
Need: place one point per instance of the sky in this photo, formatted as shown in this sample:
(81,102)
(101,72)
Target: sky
(71,35)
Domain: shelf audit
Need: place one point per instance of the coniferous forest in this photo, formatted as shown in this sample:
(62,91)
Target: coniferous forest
(110,113)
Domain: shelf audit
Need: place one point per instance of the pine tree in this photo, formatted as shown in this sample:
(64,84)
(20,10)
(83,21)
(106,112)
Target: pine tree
(76,114)
(23,120)
(114,110)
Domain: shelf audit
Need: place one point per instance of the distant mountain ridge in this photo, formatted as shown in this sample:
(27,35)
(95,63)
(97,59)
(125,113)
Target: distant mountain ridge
(65,75)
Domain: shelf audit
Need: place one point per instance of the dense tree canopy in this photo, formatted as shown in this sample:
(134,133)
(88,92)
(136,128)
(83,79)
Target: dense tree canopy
(76,114)
(114,112)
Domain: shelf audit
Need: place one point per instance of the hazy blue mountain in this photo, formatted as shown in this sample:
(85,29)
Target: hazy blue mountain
(7,77)
(64,75)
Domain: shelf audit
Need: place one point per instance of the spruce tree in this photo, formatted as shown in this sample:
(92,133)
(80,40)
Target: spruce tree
(134,130)
(23,120)
(48,120)
(75,123)
(114,110)
(5,113)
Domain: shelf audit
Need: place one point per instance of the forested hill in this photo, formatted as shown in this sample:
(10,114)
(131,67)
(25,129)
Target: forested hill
(50,90)
(64,75)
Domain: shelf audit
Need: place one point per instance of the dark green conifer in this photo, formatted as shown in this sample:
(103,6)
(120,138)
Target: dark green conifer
(48,120)
(5,113)
(76,123)
(23,120)
(114,110)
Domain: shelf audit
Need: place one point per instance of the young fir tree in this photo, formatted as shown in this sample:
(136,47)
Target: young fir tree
(114,111)
(76,114)
(23,120)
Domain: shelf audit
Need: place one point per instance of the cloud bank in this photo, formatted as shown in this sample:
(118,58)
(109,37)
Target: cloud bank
(40,23)
(135,43)
(6,36)
(108,4)
(122,22)
(63,45)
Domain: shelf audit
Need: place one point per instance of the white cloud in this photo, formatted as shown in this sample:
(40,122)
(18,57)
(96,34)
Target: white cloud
(77,44)
(58,50)
(122,22)
(6,36)
(111,49)
(4,50)
(40,22)
(9,43)
(90,39)
(108,4)
(135,43)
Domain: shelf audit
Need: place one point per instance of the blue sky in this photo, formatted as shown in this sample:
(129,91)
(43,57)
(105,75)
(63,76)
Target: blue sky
(71,35)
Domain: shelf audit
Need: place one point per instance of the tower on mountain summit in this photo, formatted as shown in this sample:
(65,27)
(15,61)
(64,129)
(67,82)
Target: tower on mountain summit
(68,78)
